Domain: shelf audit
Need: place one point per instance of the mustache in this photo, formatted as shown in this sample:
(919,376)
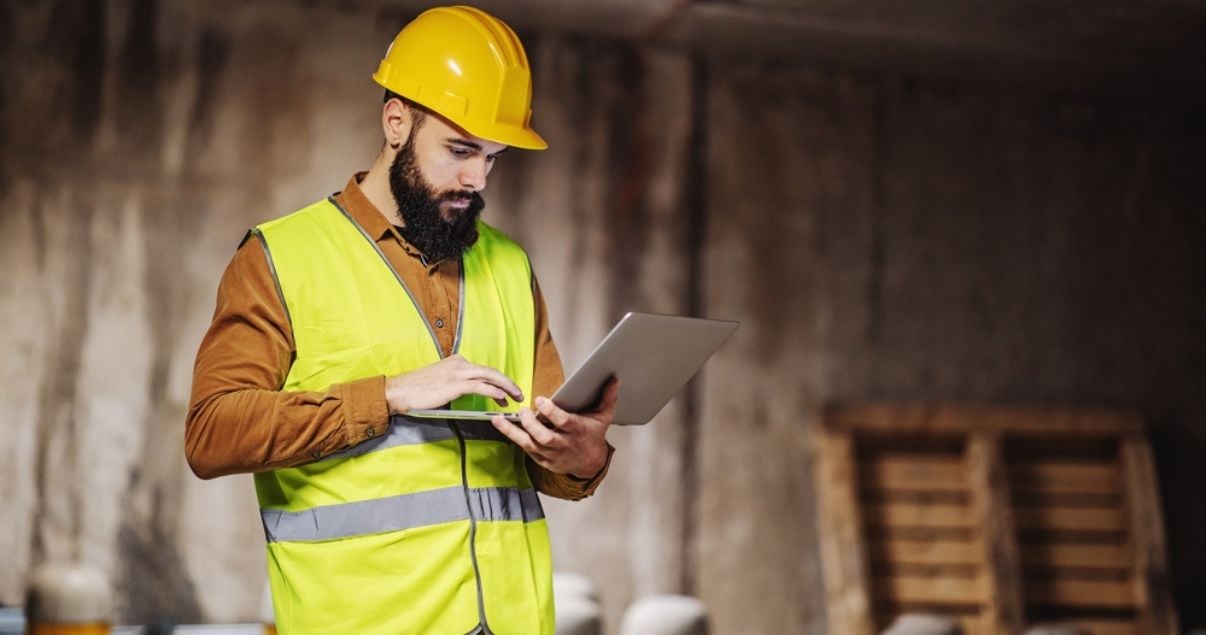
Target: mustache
(474,198)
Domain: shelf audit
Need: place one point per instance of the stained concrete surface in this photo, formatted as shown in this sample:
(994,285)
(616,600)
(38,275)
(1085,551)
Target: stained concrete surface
(879,236)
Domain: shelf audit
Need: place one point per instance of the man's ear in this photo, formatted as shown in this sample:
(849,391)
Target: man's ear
(396,123)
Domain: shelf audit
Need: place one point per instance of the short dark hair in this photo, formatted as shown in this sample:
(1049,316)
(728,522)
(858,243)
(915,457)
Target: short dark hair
(419,112)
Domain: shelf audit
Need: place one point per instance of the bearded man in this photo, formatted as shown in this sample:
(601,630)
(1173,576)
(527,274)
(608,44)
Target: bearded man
(333,322)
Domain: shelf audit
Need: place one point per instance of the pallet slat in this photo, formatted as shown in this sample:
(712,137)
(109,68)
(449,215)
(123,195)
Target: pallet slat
(1109,627)
(905,589)
(1076,555)
(1081,593)
(843,558)
(1065,478)
(1070,518)
(919,473)
(915,418)
(1147,535)
(919,515)
(1003,612)
(925,552)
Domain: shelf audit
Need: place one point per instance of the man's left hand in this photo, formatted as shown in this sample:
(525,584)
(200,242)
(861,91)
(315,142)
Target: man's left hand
(574,444)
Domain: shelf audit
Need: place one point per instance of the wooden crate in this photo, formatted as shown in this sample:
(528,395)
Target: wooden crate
(1000,517)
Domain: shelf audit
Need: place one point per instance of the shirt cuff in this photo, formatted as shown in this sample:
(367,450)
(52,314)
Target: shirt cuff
(565,486)
(365,411)
(586,483)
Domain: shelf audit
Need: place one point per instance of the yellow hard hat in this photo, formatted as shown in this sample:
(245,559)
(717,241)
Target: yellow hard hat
(469,67)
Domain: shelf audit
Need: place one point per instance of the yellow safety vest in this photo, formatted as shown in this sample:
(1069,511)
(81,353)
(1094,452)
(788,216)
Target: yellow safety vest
(431,526)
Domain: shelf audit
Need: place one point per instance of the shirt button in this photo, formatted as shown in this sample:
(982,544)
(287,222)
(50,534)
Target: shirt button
(316,454)
(370,432)
(439,324)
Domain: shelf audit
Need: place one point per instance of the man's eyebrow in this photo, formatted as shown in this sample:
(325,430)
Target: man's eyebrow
(464,142)
(476,146)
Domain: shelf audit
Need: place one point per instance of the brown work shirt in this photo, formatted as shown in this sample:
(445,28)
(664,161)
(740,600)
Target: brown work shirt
(239,419)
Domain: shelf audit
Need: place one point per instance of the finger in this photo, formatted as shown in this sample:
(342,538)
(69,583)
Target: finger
(485,373)
(523,440)
(535,429)
(553,412)
(515,433)
(486,389)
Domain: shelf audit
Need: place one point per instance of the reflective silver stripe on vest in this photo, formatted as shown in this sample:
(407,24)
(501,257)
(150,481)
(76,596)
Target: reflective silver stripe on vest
(401,512)
(402,431)
(412,431)
(532,509)
(504,503)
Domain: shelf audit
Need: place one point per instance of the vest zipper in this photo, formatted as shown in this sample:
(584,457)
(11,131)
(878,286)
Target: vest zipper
(483,627)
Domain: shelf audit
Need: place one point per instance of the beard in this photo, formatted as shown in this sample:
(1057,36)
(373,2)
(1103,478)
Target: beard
(425,226)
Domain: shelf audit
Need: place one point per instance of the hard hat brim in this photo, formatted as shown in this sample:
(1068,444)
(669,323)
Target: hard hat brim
(514,136)
(522,138)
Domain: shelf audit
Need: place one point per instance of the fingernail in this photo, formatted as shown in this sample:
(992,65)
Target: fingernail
(540,401)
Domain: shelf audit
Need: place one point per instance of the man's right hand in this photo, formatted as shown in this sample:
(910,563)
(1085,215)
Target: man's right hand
(438,384)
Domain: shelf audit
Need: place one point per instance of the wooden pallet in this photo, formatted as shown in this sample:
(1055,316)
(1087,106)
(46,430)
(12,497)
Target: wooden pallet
(998,517)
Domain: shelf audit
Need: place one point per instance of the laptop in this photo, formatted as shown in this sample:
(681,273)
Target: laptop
(653,355)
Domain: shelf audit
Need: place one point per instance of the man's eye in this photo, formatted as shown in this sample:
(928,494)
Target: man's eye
(460,153)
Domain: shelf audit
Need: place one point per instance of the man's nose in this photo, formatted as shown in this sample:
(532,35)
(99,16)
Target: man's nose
(473,174)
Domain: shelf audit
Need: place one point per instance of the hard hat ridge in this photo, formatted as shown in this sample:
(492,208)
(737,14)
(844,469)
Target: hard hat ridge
(510,47)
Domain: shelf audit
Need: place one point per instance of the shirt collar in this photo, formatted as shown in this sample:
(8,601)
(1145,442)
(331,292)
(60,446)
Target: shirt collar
(362,210)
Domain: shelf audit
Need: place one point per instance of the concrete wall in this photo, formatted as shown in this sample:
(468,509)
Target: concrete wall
(878,236)
(888,240)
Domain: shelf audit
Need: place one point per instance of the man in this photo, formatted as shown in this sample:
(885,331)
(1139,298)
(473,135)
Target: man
(334,321)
